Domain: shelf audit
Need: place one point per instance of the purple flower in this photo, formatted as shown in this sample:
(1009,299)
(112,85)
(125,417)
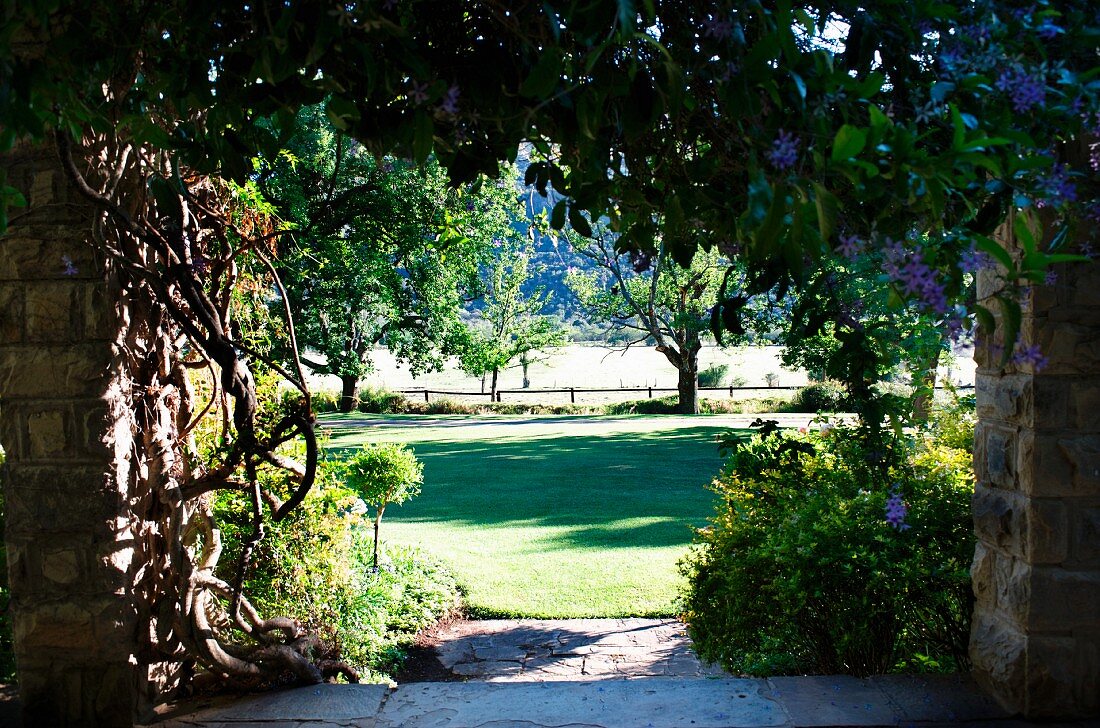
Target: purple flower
(70,269)
(1027,90)
(973,260)
(784,151)
(419,93)
(497,242)
(1051,278)
(1032,355)
(1057,187)
(850,246)
(896,510)
(449,104)
(1085,248)
(717,29)
(918,280)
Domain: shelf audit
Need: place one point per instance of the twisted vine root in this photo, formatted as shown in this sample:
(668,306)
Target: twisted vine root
(175,254)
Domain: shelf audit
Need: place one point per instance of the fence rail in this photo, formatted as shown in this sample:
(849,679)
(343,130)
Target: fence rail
(574,391)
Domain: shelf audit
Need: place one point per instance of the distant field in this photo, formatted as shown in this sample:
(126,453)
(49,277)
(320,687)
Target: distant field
(597,367)
(553,516)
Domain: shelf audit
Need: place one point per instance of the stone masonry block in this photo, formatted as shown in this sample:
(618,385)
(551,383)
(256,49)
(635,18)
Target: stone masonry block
(1086,537)
(998,518)
(49,432)
(53,312)
(1063,600)
(1046,531)
(61,625)
(1003,398)
(53,372)
(56,499)
(995,455)
(1072,348)
(38,252)
(1083,406)
(11,313)
(981,575)
(1082,452)
(998,652)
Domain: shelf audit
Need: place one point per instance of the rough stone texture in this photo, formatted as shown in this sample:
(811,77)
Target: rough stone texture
(531,650)
(66,530)
(1035,637)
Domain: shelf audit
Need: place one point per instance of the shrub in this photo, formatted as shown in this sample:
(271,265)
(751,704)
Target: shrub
(713,375)
(382,474)
(800,572)
(381,401)
(324,400)
(826,396)
(314,566)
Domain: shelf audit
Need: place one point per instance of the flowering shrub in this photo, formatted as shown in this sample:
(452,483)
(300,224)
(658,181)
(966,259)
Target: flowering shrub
(816,562)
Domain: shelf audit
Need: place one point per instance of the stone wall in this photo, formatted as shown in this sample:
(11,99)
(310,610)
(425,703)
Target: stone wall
(1035,639)
(64,426)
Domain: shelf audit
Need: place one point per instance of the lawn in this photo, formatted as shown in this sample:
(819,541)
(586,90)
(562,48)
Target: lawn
(552,516)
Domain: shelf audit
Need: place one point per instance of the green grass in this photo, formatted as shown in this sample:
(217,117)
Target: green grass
(553,516)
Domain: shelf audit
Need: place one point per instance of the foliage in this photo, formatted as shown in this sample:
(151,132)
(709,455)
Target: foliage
(381,401)
(713,376)
(777,134)
(378,251)
(654,299)
(827,396)
(509,323)
(382,474)
(816,563)
(314,565)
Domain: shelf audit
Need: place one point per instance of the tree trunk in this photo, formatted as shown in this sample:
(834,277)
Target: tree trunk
(377,528)
(349,395)
(526,381)
(688,387)
(493,386)
(924,380)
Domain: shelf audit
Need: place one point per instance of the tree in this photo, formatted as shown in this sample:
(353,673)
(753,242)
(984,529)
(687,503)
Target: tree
(509,322)
(773,128)
(380,252)
(383,474)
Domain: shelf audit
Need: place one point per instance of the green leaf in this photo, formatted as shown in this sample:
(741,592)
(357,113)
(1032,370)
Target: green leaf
(1010,319)
(959,127)
(849,141)
(544,76)
(557,215)
(828,206)
(423,137)
(993,248)
(588,116)
(1024,236)
(579,222)
(879,120)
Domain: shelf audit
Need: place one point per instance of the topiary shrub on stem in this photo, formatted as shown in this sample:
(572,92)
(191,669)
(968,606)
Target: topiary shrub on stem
(831,555)
(382,474)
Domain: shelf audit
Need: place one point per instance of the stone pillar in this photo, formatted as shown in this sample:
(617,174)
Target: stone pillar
(1035,637)
(65,429)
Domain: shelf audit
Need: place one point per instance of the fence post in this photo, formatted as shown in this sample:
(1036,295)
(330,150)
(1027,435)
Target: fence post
(425,395)
(572,396)
(651,392)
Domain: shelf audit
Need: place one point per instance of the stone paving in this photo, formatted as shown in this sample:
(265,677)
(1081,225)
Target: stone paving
(569,649)
(589,673)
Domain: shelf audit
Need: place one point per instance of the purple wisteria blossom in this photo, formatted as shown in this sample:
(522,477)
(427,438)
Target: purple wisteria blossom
(850,246)
(449,104)
(1026,90)
(419,92)
(1057,187)
(896,510)
(973,260)
(1086,249)
(784,151)
(1030,355)
(921,281)
(70,269)
(717,29)
(1051,278)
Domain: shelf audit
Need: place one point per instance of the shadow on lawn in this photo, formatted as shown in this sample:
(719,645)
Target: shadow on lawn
(623,490)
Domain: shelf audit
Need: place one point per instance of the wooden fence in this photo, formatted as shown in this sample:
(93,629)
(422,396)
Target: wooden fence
(574,391)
